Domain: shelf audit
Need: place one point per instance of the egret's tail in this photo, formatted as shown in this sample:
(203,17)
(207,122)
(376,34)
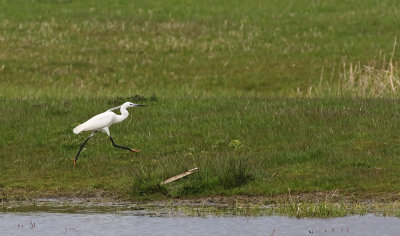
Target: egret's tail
(78,129)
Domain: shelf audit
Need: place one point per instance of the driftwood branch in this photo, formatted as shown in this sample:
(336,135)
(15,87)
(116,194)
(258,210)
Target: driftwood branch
(179,176)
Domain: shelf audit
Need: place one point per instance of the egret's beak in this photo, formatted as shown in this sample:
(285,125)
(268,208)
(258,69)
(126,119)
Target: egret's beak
(140,105)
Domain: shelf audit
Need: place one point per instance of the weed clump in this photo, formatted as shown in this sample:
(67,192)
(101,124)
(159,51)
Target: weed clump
(235,172)
(147,182)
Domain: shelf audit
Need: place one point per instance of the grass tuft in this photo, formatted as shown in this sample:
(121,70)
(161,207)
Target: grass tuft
(146,181)
(234,172)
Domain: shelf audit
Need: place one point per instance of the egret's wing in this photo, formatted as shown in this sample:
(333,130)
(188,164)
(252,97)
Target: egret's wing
(99,121)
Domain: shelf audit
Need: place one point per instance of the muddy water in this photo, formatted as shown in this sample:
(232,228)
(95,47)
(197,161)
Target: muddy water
(140,223)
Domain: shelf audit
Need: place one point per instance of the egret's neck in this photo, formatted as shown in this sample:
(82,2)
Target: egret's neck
(123,116)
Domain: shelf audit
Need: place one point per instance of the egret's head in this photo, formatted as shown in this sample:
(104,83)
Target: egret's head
(130,104)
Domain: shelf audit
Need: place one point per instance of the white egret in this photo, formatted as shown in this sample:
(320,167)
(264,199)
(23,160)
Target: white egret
(101,122)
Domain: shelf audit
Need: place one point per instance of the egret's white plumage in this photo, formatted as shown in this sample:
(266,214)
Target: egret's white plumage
(102,121)
(105,119)
(98,122)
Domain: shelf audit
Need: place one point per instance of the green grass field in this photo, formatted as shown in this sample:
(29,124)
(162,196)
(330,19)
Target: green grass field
(225,84)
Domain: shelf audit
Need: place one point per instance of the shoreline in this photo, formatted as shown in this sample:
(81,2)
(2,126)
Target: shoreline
(300,206)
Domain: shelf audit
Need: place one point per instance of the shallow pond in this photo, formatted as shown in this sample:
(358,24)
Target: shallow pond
(141,222)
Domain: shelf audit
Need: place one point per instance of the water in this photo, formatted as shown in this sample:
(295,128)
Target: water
(140,223)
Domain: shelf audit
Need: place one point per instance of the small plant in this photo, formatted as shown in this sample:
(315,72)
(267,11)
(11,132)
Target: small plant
(236,144)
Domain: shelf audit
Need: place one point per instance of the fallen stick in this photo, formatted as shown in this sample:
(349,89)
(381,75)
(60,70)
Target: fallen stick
(179,176)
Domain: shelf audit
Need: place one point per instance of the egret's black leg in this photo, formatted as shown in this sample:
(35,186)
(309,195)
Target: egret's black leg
(115,145)
(80,149)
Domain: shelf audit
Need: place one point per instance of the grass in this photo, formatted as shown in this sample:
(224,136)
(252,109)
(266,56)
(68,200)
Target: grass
(220,82)
(345,145)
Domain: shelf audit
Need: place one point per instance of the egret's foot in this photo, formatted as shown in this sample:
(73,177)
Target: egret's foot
(135,150)
(74,161)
